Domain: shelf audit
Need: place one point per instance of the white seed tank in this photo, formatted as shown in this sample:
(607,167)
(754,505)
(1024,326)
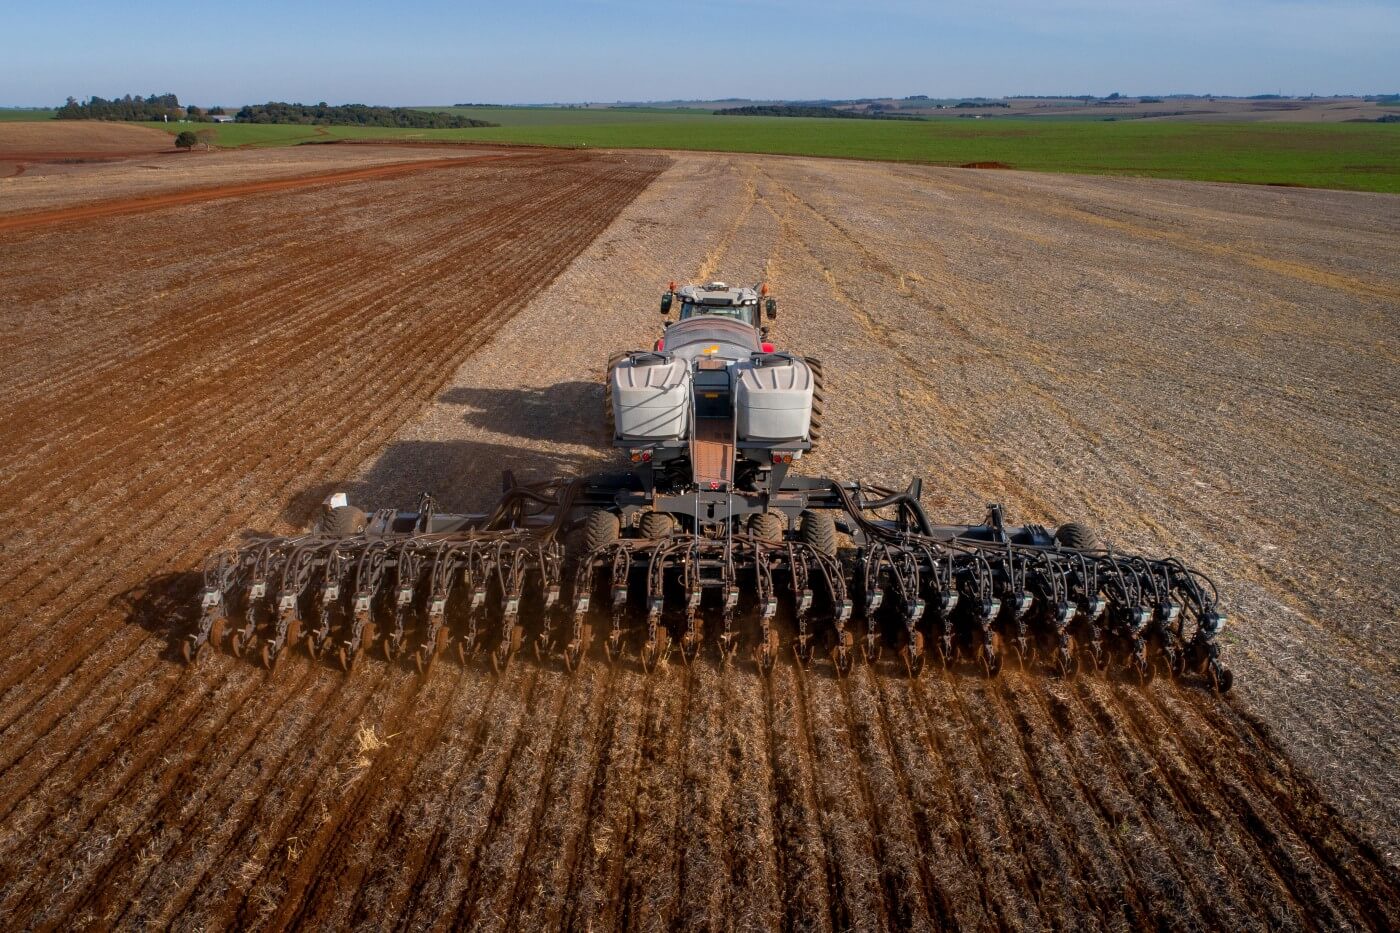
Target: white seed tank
(773,399)
(651,398)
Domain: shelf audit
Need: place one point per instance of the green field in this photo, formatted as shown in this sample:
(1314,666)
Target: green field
(1359,156)
(12,115)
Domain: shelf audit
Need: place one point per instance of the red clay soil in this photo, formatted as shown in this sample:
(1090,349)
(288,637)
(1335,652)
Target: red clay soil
(73,143)
(196,195)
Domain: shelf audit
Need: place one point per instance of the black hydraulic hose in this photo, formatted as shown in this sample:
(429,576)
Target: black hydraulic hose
(855,510)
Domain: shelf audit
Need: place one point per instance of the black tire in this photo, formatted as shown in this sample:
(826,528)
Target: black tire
(767,527)
(817,530)
(346,520)
(655,525)
(1076,536)
(818,400)
(600,528)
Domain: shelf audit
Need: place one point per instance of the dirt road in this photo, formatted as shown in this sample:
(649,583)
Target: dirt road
(1202,369)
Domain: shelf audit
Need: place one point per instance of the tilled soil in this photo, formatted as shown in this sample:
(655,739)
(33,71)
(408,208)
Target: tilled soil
(64,146)
(87,177)
(1191,368)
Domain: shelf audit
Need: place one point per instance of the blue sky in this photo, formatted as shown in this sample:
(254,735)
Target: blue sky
(549,50)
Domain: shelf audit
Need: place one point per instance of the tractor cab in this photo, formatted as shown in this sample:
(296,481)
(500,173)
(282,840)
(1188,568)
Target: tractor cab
(718,300)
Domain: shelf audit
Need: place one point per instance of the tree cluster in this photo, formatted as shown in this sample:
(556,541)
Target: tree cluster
(155,107)
(353,115)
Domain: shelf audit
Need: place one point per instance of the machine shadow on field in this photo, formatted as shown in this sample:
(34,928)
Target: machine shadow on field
(463,476)
(563,413)
(165,606)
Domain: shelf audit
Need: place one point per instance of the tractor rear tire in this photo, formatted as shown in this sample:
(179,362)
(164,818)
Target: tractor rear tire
(814,433)
(655,525)
(767,527)
(601,528)
(346,520)
(1076,536)
(817,530)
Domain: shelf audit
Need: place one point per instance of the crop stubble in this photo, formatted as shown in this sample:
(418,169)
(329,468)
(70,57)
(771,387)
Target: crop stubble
(169,389)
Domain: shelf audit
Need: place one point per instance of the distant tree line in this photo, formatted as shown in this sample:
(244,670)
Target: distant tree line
(354,115)
(793,110)
(155,107)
